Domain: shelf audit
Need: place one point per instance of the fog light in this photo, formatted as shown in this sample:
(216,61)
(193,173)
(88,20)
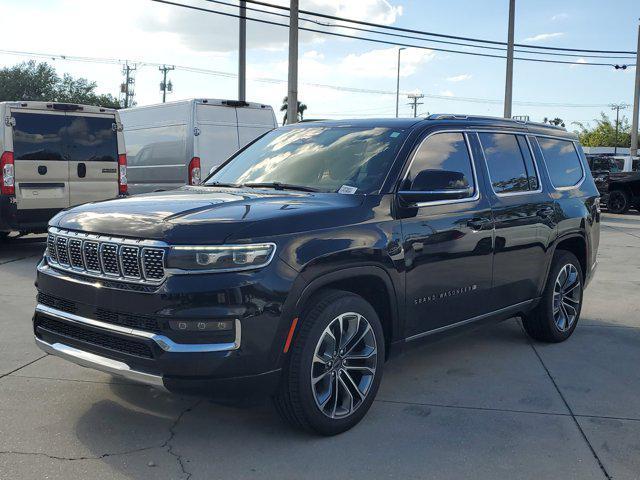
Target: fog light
(201,325)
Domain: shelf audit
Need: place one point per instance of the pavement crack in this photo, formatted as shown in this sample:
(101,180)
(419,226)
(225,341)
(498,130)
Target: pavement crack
(75,459)
(23,366)
(573,415)
(20,258)
(172,433)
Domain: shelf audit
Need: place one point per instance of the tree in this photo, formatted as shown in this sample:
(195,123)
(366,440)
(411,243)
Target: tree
(285,106)
(31,81)
(557,121)
(604,133)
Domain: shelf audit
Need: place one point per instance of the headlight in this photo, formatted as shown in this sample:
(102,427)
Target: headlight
(220,257)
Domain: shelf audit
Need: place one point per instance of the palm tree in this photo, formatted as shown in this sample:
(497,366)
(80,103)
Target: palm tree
(285,106)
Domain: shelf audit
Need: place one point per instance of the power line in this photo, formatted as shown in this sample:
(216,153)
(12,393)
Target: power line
(422,32)
(413,37)
(342,88)
(269,22)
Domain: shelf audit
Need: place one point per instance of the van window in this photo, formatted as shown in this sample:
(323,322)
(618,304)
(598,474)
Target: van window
(91,139)
(442,162)
(38,136)
(563,163)
(506,162)
(157,146)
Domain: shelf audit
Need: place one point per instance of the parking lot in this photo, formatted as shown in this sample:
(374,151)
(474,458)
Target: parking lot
(486,404)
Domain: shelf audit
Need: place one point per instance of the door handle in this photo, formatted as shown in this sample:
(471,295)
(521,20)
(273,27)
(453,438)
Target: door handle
(545,212)
(82,170)
(478,223)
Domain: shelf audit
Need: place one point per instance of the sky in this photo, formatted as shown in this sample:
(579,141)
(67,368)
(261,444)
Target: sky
(146,32)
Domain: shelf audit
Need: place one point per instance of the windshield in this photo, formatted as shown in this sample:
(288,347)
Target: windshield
(317,157)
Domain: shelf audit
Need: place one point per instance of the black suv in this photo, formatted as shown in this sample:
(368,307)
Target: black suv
(316,252)
(617,180)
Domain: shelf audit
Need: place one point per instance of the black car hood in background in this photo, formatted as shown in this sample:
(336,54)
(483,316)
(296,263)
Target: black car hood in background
(206,215)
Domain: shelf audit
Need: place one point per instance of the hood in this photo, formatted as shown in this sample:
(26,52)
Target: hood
(205,215)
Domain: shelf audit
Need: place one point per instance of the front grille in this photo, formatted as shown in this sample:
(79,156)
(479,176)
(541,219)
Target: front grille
(139,322)
(75,253)
(57,303)
(93,337)
(106,257)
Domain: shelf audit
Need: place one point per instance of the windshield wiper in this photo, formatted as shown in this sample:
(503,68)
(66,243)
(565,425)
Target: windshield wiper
(281,186)
(222,184)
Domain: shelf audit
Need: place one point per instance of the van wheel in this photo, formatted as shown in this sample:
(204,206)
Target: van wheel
(335,364)
(555,318)
(618,202)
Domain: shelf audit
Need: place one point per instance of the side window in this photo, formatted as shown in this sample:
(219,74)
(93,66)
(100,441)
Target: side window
(38,136)
(509,162)
(563,163)
(442,162)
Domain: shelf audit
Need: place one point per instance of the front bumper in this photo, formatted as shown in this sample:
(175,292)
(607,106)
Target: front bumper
(104,328)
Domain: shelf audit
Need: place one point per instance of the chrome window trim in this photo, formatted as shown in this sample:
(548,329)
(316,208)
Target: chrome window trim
(533,158)
(476,194)
(164,342)
(580,162)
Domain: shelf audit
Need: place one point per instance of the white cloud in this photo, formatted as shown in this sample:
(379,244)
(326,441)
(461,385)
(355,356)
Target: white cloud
(447,93)
(460,78)
(209,32)
(559,16)
(580,60)
(542,37)
(383,63)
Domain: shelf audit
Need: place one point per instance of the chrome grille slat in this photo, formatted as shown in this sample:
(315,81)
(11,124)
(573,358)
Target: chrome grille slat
(97,256)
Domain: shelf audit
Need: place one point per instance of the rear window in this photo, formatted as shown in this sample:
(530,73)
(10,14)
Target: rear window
(563,163)
(509,161)
(39,136)
(91,139)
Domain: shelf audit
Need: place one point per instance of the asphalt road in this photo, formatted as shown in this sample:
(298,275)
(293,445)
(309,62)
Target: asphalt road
(488,404)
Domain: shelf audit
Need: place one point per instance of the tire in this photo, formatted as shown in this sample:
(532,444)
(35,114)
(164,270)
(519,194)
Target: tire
(618,202)
(545,323)
(313,406)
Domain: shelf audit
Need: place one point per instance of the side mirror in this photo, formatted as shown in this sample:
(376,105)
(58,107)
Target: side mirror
(436,185)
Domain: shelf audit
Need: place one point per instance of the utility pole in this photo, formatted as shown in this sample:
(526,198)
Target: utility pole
(292,95)
(617,108)
(414,104)
(164,86)
(242,53)
(398,82)
(508,88)
(126,88)
(636,103)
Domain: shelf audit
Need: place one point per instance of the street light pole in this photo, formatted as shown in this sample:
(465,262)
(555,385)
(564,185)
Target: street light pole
(292,96)
(242,52)
(617,108)
(398,82)
(508,88)
(636,102)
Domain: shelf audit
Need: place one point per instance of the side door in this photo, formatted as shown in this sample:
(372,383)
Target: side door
(523,212)
(91,147)
(41,170)
(447,230)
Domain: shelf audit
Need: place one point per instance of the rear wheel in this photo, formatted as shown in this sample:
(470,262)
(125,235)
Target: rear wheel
(618,202)
(556,316)
(335,365)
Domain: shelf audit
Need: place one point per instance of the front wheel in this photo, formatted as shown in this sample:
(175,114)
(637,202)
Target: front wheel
(335,364)
(555,318)
(618,202)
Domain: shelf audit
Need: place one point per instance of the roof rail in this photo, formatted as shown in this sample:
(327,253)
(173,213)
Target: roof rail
(451,116)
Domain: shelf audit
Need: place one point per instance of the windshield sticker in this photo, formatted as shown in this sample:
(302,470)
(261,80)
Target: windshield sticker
(394,134)
(348,189)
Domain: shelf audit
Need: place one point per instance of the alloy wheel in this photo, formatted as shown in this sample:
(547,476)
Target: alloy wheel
(567,296)
(344,365)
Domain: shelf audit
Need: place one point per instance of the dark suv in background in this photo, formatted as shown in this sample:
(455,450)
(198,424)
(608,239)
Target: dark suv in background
(316,252)
(617,180)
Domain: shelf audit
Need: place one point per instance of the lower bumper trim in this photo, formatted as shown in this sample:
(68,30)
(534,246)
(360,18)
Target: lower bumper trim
(97,362)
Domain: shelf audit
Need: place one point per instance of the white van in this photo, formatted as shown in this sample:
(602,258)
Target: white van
(177,143)
(54,156)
